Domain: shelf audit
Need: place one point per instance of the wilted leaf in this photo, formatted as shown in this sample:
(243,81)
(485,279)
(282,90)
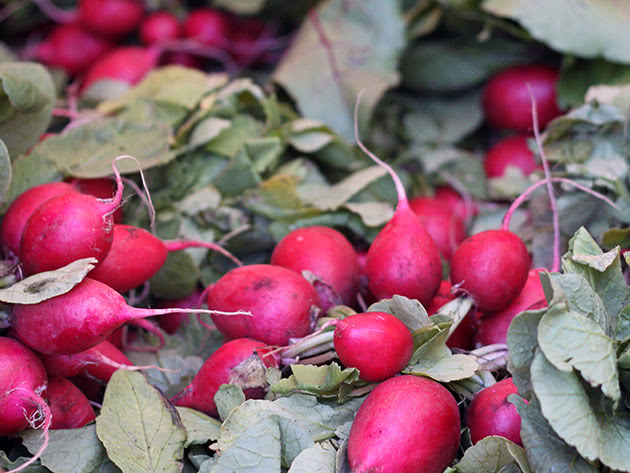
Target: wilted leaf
(579,420)
(597,28)
(9,465)
(570,341)
(200,428)
(408,311)
(546,452)
(339,50)
(69,451)
(373,214)
(49,284)
(141,431)
(318,380)
(522,341)
(228,398)
(320,458)
(490,455)
(27,98)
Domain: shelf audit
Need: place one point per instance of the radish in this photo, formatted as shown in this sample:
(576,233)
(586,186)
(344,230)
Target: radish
(23,207)
(80,318)
(511,151)
(245,36)
(282,303)
(72,48)
(402,259)
(455,202)
(208,26)
(123,273)
(493,327)
(324,252)
(99,362)
(490,413)
(69,406)
(417,418)
(376,343)
(507,99)
(110,17)
(463,335)
(446,229)
(182,58)
(103,188)
(159,26)
(492,267)
(227,365)
(22,382)
(126,64)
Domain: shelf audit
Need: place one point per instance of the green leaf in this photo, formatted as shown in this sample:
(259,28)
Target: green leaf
(141,431)
(27,98)
(175,85)
(309,136)
(228,398)
(177,278)
(490,455)
(408,311)
(365,42)
(42,286)
(5,171)
(328,380)
(30,170)
(597,28)
(320,458)
(231,140)
(522,341)
(69,451)
(546,451)
(200,428)
(241,7)
(579,420)
(10,465)
(570,341)
(616,237)
(434,360)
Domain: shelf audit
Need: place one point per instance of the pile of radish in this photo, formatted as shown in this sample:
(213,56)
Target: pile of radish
(232,285)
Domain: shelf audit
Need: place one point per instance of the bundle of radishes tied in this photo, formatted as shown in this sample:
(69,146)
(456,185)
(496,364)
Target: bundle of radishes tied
(398,247)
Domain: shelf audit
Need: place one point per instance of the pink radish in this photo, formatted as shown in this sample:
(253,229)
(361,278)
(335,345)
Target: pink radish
(23,207)
(22,382)
(455,202)
(103,188)
(324,252)
(123,273)
(402,259)
(159,26)
(376,343)
(218,370)
(490,413)
(208,26)
(446,229)
(110,17)
(280,300)
(463,335)
(511,151)
(80,319)
(417,418)
(69,406)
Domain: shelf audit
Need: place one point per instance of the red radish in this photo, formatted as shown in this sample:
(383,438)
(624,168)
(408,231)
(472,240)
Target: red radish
(219,369)
(123,273)
(99,362)
(507,97)
(159,26)
(69,406)
(244,41)
(208,26)
(110,17)
(492,267)
(126,64)
(121,337)
(490,413)
(103,188)
(463,335)
(376,343)
(402,259)
(182,58)
(23,207)
(92,388)
(22,382)
(415,417)
(72,48)
(324,252)
(170,323)
(455,202)
(280,300)
(80,318)
(511,151)
(446,229)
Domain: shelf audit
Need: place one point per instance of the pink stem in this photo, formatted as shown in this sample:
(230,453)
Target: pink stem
(41,407)
(152,329)
(55,13)
(177,245)
(132,313)
(60,112)
(400,189)
(530,190)
(102,359)
(555,267)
